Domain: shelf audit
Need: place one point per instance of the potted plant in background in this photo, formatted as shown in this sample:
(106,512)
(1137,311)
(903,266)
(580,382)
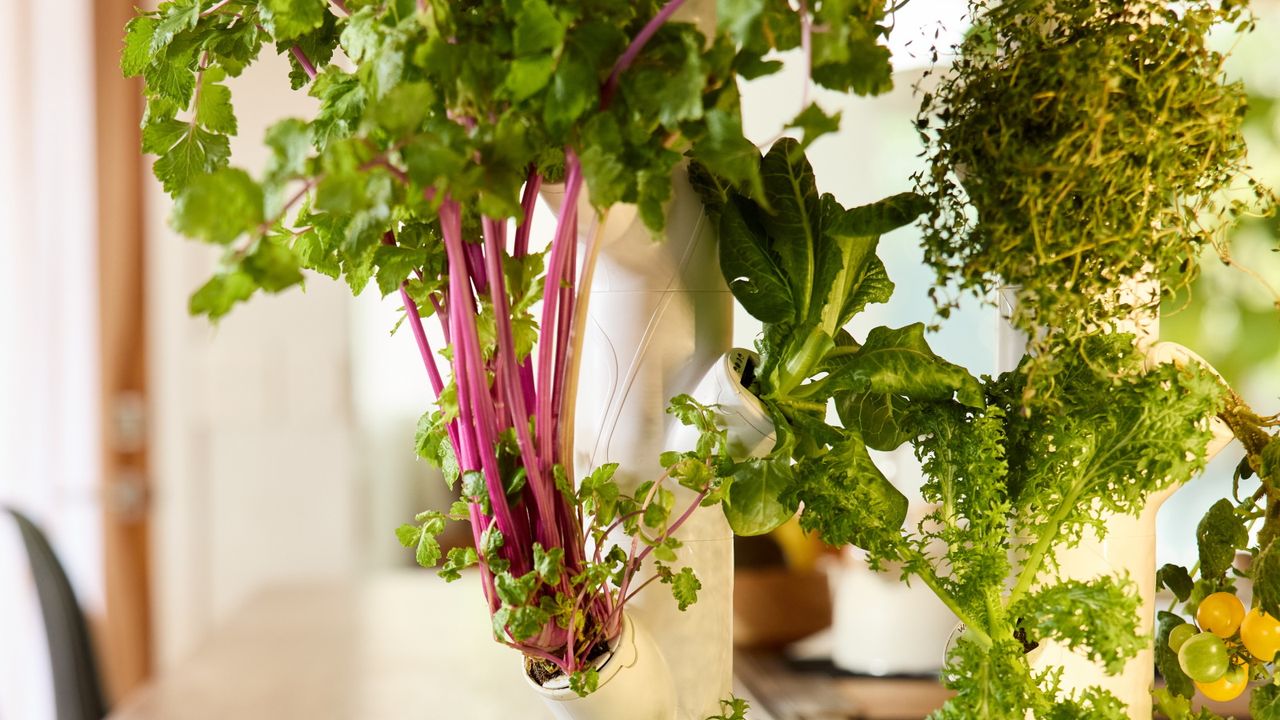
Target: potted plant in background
(436,126)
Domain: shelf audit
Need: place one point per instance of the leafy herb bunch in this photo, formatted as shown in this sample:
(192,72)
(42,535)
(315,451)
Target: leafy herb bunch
(437,124)
(1076,144)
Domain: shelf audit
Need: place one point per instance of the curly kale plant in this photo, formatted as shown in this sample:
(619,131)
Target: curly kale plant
(1009,489)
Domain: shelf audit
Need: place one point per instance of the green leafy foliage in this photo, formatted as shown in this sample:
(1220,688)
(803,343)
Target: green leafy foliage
(219,207)
(1220,533)
(1120,433)
(584,682)
(684,584)
(1096,618)
(1117,135)
(804,266)
(467,103)
(422,538)
(1266,579)
(1167,660)
(1265,702)
(734,708)
(757,499)
(1176,579)
(460,102)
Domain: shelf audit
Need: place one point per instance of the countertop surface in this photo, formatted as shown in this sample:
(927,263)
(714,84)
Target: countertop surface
(395,646)
(405,645)
(402,645)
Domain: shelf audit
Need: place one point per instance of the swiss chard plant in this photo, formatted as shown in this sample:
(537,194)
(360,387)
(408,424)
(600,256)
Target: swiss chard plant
(435,126)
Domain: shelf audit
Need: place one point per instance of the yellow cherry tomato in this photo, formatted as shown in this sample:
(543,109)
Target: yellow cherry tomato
(1261,634)
(1227,687)
(1220,614)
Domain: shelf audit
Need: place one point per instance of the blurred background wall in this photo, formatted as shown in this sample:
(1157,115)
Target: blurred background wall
(49,370)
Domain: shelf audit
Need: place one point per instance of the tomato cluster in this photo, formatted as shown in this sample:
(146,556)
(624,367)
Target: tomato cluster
(1218,654)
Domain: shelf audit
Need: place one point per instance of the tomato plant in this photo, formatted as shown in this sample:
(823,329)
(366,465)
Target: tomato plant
(1229,686)
(1204,657)
(1220,614)
(1261,635)
(1180,635)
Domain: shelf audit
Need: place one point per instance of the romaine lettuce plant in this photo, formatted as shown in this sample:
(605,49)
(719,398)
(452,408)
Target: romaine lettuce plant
(805,266)
(436,124)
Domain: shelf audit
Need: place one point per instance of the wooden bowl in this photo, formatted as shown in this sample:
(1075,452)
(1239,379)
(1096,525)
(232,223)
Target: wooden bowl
(776,606)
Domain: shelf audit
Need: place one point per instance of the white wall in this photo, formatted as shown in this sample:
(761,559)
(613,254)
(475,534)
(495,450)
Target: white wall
(49,453)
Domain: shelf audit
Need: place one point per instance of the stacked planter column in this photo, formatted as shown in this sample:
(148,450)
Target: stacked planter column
(660,316)
(1129,546)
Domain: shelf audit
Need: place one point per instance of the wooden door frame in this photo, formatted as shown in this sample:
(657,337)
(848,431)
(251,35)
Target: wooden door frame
(125,643)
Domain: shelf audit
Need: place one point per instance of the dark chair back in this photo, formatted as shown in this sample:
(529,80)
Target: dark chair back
(76,685)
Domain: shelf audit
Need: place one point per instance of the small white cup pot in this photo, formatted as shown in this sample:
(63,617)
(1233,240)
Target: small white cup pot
(634,684)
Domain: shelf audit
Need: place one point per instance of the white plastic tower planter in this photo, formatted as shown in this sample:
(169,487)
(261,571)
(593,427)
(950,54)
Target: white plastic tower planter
(659,324)
(634,684)
(913,639)
(1129,547)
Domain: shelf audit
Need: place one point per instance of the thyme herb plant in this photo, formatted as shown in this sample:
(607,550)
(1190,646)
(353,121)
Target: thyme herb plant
(1077,144)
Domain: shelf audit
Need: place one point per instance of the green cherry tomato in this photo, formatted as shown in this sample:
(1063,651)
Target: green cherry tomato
(1180,635)
(1204,657)
(1220,614)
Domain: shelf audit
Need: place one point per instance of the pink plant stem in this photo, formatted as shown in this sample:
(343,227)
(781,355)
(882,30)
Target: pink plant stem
(424,348)
(616,615)
(475,261)
(673,527)
(304,61)
(633,563)
(565,321)
(542,655)
(528,203)
(552,334)
(508,374)
(215,8)
(443,313)
(474,402)
(478,524)
(633,50)
(420,335)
